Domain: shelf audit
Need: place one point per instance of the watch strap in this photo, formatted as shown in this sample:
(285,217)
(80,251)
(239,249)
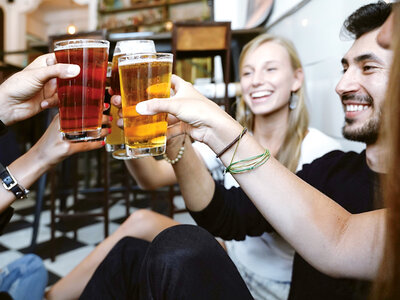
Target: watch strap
(11,184)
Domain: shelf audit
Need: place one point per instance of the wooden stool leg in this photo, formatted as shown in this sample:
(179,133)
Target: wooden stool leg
(106,169)
(52,213)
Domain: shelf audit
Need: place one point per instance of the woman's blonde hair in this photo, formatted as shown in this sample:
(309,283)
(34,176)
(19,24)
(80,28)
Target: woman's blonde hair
(289,153)
(387,282)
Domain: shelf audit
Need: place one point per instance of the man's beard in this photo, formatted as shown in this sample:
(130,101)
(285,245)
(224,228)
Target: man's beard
(369,132)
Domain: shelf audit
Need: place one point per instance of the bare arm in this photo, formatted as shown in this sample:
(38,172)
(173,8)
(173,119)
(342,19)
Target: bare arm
(46,153)
(151,174)
(195,181)
(326,235)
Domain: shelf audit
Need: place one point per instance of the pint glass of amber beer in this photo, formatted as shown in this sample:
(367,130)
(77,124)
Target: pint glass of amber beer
(144,76)
(115,141)
(81,98)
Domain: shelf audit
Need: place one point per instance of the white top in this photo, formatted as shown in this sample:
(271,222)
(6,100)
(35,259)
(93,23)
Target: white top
(268,255)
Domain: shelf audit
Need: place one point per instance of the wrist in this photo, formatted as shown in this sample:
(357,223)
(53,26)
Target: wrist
(42,160)
(175,149)
(4,111)
(223,135)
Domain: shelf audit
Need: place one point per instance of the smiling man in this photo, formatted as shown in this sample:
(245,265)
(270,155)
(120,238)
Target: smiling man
(362,88)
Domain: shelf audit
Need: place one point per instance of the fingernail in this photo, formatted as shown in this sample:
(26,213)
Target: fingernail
(109,130)
(73,70)
(141,108)
(44,104)
(111,118)
(106,105)
(50,61)
(103,143)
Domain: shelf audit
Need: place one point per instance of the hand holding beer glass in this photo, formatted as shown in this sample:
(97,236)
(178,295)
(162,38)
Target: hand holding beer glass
(82,97)
(142,77)
(116,140)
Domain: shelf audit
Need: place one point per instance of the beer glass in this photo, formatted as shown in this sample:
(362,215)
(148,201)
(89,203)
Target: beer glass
(115,141)
(82,97)
(144,76)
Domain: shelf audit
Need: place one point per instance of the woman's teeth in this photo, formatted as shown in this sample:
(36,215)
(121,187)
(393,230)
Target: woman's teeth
(260,94)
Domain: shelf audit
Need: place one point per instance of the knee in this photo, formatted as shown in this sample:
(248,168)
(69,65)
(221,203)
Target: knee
(31,264)
(137,217)
(140,219)
(192,243)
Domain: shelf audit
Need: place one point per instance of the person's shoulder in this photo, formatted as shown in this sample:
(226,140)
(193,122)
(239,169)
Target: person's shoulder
(331,160)
(336,156)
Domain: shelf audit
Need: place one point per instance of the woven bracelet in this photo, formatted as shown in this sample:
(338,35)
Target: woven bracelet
(233,142)
(248,164)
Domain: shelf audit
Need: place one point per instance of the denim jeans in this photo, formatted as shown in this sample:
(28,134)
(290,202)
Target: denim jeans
(25,278)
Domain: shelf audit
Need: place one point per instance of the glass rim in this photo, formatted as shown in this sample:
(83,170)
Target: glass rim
(76,43)
(135,41)
(143,56)
(125,43)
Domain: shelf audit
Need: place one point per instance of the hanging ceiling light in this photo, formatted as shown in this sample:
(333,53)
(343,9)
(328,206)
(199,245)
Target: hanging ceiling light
(71,29)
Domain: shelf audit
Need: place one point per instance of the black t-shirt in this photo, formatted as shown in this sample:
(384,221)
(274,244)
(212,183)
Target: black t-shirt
(344,177)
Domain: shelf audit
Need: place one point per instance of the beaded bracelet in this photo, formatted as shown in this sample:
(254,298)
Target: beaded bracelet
(180,153)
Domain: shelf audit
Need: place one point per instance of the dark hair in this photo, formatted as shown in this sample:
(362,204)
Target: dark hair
(366,19)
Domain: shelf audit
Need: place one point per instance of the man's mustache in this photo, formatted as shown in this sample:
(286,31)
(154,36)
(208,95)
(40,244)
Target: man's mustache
(358,98)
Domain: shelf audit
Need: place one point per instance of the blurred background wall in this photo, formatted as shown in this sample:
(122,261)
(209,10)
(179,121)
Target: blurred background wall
(314,27)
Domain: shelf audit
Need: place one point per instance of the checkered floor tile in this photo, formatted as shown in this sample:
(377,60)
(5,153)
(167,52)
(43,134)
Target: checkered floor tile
(16,238)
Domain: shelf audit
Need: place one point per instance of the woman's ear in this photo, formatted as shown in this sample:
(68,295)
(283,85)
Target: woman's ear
(298,79)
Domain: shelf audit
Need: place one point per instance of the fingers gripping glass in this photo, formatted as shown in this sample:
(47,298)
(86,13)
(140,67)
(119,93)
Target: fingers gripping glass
(82,97)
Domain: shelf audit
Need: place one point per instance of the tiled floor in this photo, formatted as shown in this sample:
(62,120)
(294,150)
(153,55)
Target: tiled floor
(16,238)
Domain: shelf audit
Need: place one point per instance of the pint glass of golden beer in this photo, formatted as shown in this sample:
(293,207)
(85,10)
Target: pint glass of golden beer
(82,97)
(115,141)
(142,77)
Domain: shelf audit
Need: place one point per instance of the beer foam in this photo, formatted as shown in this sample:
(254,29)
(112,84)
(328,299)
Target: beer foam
(135,61)
(134,47)
(81,45)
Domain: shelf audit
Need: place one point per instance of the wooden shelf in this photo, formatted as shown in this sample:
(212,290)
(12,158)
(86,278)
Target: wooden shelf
(134,7)
(130,28)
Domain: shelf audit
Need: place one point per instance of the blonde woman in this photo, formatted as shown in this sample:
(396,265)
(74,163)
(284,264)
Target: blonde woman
(273,108)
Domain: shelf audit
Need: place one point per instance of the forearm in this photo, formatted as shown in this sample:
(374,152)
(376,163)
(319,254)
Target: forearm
(26,170)
(317,227)
(151,174)
(231,215)
(195,182)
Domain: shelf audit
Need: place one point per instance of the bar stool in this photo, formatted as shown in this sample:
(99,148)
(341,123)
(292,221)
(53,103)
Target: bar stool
(204,39)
